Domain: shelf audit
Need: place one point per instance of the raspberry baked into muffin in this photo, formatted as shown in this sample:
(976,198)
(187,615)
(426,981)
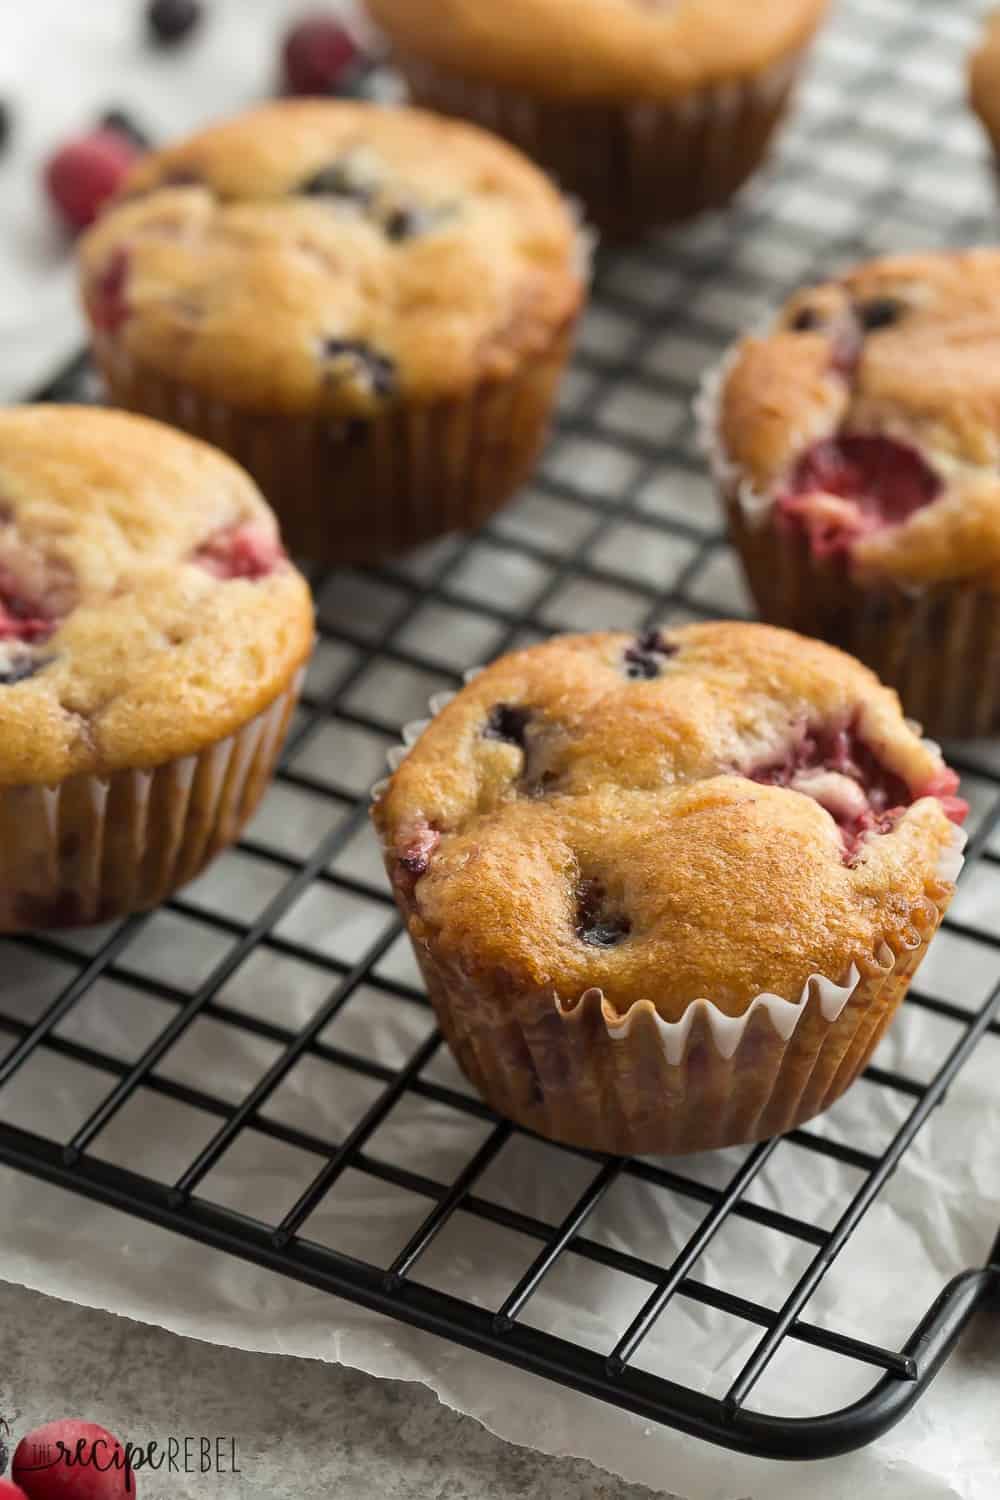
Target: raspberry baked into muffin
(856,446)
(152,635)
(649,110)
(368,308)
(667,892)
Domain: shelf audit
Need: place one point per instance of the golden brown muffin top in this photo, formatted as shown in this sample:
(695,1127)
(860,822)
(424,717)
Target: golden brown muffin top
(603,49)
(146,606)
(708,812)
(984,75)
(328,256)
(871,413)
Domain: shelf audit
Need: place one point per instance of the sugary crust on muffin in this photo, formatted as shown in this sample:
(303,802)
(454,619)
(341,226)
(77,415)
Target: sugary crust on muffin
(601,49)
(148,654)
(640,790)
(984,76)
(447,257)
(929,378)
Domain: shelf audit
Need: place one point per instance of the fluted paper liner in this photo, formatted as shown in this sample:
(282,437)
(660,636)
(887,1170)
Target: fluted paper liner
(578,1071)
(635,163)
(95,848)
(938,645)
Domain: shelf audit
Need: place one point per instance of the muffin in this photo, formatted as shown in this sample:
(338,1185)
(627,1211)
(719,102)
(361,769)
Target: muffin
(369,308)
(667,891)
(648,111)
(152,635)
(856,447)
(984,79)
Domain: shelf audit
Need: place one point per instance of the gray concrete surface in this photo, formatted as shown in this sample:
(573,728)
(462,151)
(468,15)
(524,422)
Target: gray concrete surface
(303,1430)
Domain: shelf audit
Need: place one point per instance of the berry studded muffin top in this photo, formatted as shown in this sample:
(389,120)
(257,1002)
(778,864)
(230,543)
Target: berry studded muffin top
(869,417)
(610,49)
(146,606)
(328,256)
(706,812)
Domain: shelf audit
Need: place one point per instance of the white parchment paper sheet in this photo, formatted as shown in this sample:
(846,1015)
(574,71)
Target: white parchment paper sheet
(61,62)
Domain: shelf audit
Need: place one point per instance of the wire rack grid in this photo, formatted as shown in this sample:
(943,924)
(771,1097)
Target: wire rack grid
(618,529)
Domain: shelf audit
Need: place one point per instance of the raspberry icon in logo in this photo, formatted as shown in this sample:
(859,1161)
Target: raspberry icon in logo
(72,1460)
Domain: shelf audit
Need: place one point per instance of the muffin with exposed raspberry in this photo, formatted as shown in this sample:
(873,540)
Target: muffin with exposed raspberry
(369,308)
(856,446)
(152,637)
(667,892)
(649,110)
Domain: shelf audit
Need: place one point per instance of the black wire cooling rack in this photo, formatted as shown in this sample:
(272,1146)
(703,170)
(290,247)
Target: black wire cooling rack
(618,529)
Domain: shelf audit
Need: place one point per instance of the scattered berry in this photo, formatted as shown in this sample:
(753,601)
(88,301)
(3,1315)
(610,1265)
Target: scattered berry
(10,1491)
(123,124)
(170,21)
(319,54)
(247,551)
(72,1460)
(86,172)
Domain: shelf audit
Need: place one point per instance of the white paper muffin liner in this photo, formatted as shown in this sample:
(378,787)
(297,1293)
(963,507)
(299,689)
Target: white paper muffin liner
(577,1070)
(95,848)
(635,163)
(938,645)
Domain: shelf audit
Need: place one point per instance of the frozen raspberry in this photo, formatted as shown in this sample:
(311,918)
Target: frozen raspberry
(10,1491)
(848,487)
(319,54)
(106,294)
(86,172)
(246,551)
(170,21)
(71,1460)
(596,923)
